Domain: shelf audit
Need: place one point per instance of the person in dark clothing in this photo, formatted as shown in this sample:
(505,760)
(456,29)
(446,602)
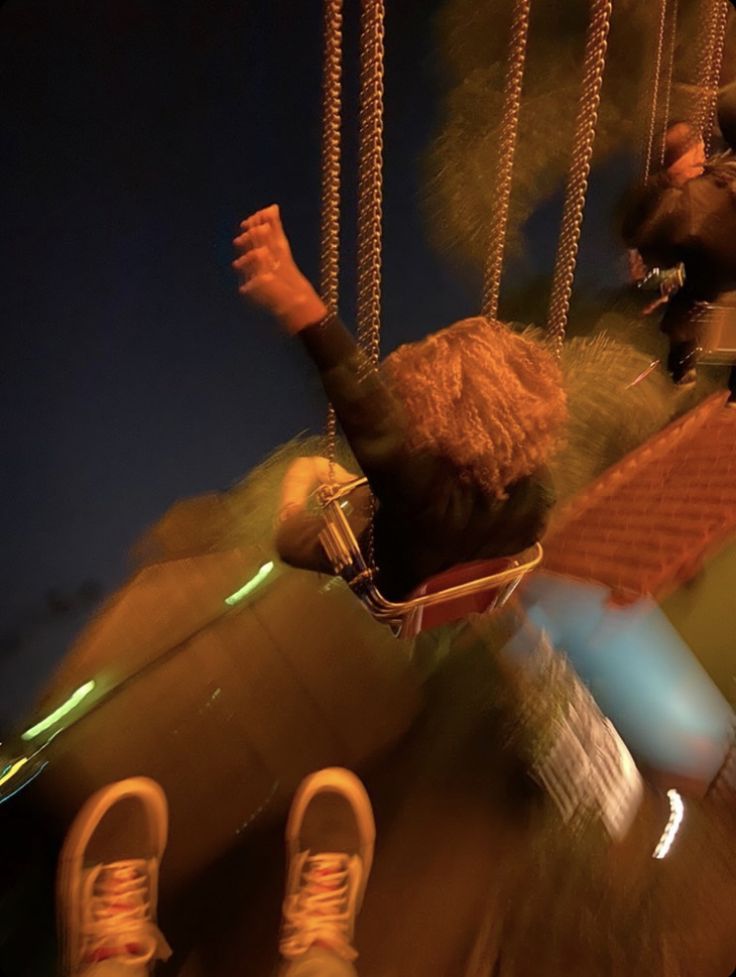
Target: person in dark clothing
(687,215)
(452,432)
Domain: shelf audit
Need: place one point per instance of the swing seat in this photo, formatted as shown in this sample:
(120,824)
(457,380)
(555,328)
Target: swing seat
(478,587)
(470,588)
(717,333)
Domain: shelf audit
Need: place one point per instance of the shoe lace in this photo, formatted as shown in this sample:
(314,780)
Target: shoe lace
(320,910)
(118,921)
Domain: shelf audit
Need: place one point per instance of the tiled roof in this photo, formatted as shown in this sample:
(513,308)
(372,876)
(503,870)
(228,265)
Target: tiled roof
(645,525)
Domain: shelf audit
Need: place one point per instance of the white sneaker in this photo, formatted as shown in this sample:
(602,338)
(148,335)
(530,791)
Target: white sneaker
(107,906)
(329,840)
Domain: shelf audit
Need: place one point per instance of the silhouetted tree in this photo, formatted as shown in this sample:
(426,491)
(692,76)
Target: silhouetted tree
(471,45)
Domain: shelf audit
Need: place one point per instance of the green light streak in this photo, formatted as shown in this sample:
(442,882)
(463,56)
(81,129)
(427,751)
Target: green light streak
(251,584)
(66,707)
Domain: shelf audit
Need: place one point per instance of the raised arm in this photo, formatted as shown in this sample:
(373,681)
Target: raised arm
(269,276)
(369,414)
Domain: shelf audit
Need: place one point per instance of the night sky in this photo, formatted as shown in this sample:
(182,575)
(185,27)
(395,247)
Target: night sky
(133,137)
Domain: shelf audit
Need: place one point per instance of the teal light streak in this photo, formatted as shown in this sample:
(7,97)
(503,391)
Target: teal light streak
(36,773)
(66,707)
(250,585)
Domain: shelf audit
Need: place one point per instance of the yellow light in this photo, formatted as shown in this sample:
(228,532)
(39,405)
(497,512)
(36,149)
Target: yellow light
(13,770)
(66,707)
(251,584)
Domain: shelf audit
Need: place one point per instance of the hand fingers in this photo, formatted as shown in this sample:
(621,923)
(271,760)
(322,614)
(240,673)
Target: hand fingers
(255,261)
(245,288)
(272,216)
(253,220)
(267,215)
(256,236)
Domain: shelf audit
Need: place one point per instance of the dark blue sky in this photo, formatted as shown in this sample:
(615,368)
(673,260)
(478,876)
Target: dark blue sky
(133,137)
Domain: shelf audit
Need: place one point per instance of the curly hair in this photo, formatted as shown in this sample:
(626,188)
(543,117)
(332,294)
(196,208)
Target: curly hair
(489,399)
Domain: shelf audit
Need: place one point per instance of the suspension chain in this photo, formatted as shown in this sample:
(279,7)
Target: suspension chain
(704,63)
(513,82)
(711,68)
(656,84)
(668,80)
(370,172)
(370,196)
(594,63)
(331,158)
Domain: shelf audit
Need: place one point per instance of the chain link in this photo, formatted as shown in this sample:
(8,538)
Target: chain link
(701,69)
(594,63)
(370,196)
(513,83)
(667,81)
(714,37)
(370,172)
(656,87)
(331,161)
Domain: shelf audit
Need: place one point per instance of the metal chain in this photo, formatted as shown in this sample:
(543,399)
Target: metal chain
(370,196)
(513,82)
(704,63)
(701,70)
(370,173)
(712,67)
(656,85)
(667,81)
(331,158)
(594,62)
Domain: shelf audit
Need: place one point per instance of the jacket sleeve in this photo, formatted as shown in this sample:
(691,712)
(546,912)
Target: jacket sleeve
(369,414)
(727,111)
(658,223)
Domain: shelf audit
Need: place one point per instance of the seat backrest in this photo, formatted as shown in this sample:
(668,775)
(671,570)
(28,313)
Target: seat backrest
(483,584)
(717,339)
(480,602)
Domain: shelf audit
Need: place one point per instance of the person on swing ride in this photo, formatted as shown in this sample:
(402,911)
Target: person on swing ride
(684,159)
(452,432)
(686,218)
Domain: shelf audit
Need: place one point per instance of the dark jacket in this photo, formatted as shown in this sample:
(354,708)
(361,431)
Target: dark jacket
(694,224)
(428,518)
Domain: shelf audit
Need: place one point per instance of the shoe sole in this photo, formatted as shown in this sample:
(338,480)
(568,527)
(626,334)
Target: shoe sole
(344,782)
(71,859)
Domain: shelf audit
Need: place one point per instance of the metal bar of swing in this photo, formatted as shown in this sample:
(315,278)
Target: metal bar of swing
(343,550)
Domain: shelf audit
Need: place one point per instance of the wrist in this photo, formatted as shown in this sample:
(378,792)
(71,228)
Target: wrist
(305,309)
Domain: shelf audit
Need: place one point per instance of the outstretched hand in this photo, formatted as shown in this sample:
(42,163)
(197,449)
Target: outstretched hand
(269,276)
